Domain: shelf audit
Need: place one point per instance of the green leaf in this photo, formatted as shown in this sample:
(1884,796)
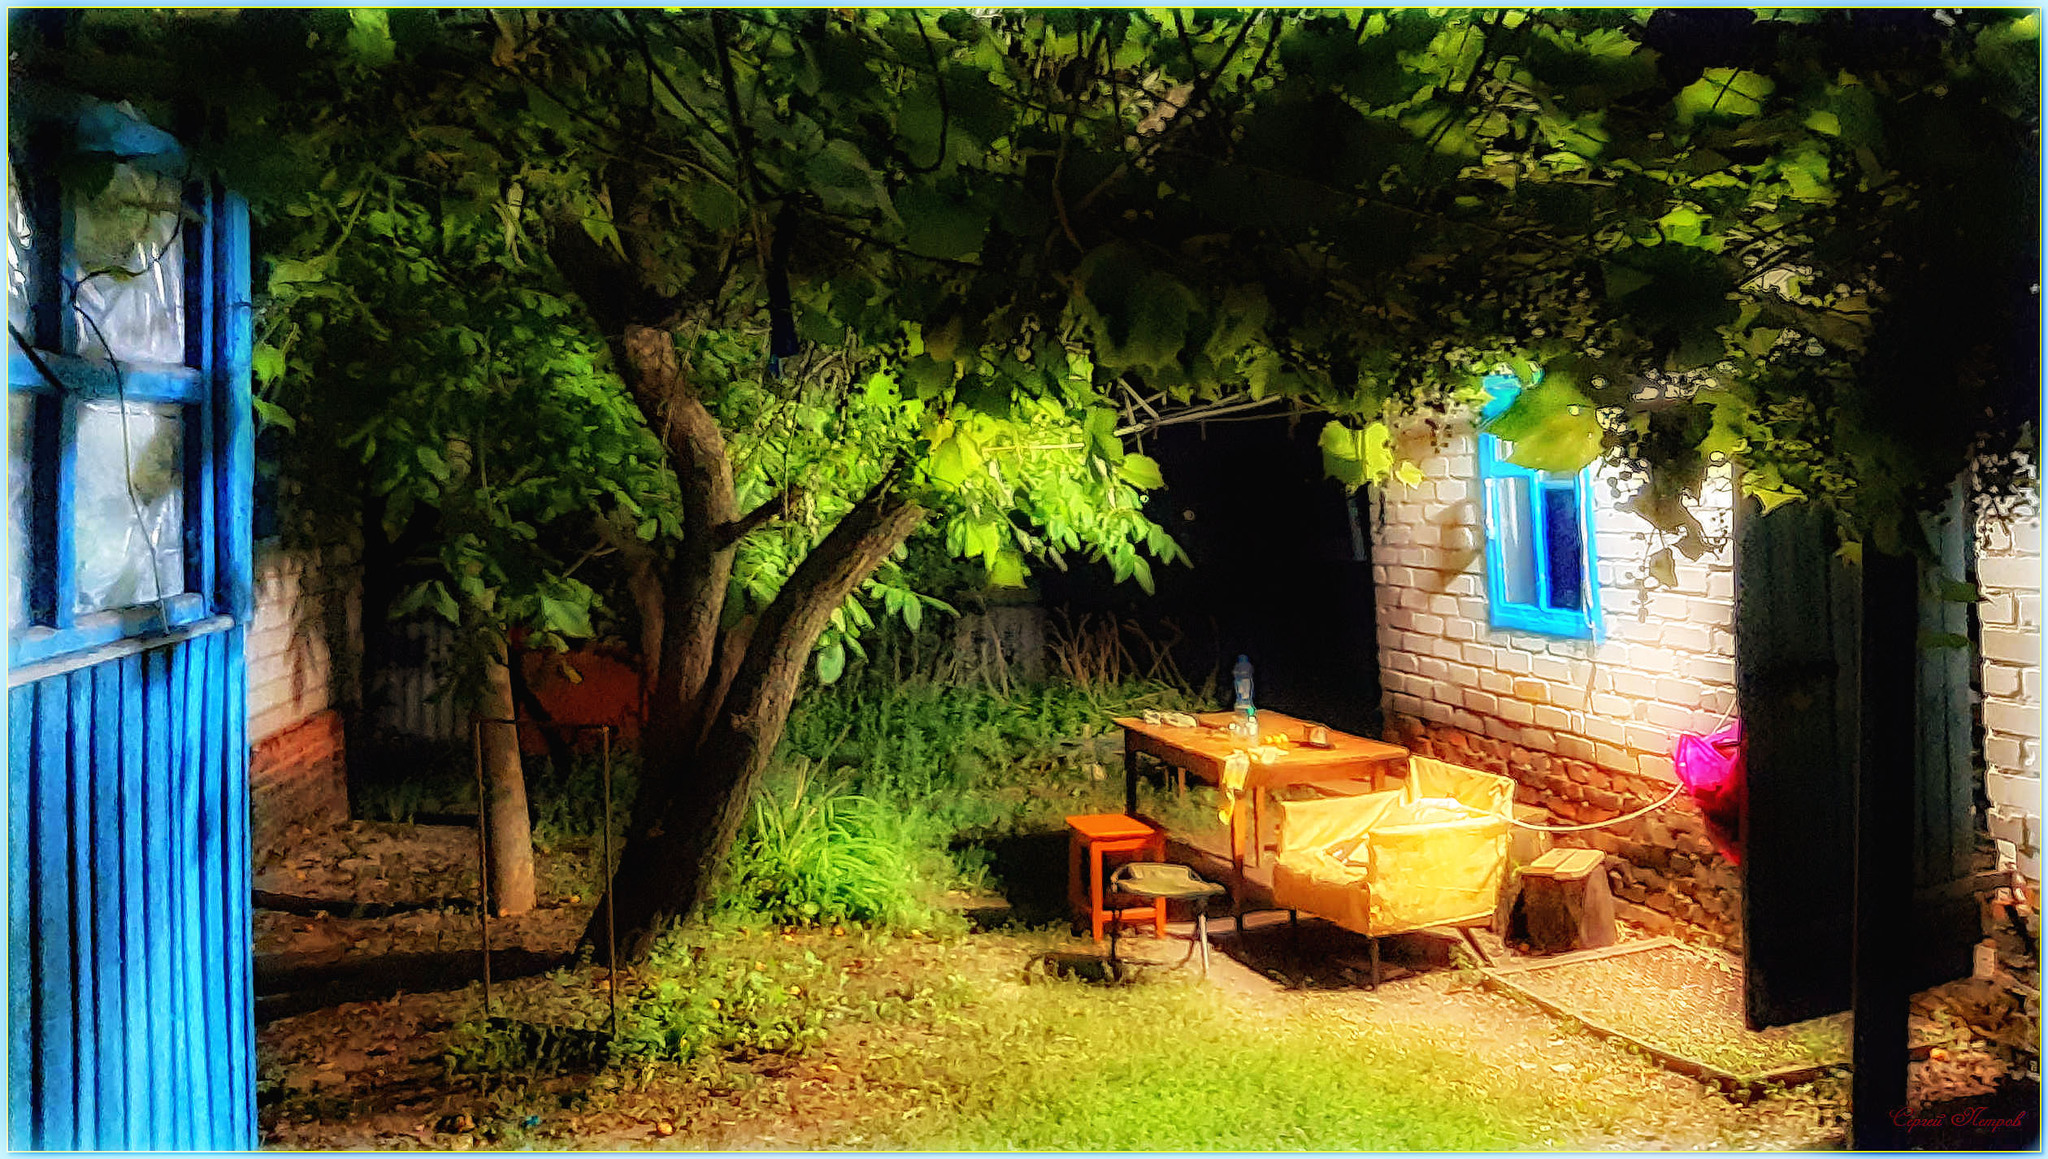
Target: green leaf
(1723,94)
(954,460)
(570,619)
(1955,591)
(714,205)
(831,662)
(1141,471)
(1937,640)
(1141,570)
(939,227)
(1408,473)
(369,36)
(1007,569)
(272,415)
(444,604)
(1376,451)
(1552,426)
(842,178)
(1099,427)
(432,463)
(1681,225)
(1342,459)
(267,363)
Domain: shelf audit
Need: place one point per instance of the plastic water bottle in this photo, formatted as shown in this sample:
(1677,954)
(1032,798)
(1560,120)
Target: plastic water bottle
(1247,716)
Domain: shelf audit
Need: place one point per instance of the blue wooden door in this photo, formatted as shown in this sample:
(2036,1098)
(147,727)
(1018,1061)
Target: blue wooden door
(130,996)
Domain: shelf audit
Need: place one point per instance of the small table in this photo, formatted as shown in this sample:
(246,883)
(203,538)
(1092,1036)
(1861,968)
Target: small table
(1089,837)
(1201,751)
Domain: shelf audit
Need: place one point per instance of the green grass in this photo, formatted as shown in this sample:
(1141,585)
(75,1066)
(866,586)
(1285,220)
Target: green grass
(816,854)
(1171,1066)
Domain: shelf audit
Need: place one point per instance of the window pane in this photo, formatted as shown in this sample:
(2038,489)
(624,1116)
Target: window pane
(21,418)
(128,260)
(20,259)
(1565,543)
(1517,538)
(119,525)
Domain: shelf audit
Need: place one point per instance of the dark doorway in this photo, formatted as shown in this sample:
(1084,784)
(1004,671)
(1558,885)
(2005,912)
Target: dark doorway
(1281,573)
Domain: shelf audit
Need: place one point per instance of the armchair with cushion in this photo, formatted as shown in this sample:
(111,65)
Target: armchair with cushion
(1431,853)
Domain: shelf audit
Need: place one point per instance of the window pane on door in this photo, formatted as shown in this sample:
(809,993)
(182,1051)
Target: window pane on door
(21,425)
(20,259)
(128,507)
(1517,539)
(128,260)
(1565,544)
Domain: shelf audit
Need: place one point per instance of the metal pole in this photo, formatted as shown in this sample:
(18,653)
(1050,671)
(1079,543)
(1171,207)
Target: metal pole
(483,870)
(611,930)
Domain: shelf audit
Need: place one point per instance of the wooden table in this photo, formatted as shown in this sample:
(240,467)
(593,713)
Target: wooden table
(1201,751)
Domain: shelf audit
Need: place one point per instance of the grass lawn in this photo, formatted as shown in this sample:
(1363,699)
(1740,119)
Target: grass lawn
(1068,1066)
(822,1039)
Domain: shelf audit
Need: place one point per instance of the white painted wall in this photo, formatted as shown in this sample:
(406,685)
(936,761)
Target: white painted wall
(1666,664)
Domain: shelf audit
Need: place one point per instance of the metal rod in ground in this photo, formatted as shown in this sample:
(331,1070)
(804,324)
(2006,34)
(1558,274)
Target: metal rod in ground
(611,931)
(483,870)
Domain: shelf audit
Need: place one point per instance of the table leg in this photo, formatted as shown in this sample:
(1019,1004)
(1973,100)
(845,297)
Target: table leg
(1074,898)
(1130,778)
(1236,873)
(1258,827)
(1095,898)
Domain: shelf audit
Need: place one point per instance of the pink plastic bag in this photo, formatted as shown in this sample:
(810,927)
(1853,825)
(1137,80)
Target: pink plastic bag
(1711,769)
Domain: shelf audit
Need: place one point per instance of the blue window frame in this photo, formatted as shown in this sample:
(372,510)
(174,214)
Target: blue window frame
(123,351)
(1539,538)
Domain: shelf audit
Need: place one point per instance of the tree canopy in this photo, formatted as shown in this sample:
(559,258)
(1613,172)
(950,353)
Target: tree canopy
(749,297)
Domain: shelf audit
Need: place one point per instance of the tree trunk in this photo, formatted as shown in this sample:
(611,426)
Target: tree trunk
(509,861)
(672,860)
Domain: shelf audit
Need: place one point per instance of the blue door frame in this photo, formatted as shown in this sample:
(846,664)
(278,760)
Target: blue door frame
(130,970)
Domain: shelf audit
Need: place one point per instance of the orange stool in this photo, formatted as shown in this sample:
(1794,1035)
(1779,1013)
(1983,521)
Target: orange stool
(1089,837)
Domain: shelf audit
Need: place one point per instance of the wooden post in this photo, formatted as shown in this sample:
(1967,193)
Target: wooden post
(1884,847)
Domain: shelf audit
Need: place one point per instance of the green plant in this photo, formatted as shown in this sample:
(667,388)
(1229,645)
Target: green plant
(716,993)
(569,805)
(511,1045)
(814,853)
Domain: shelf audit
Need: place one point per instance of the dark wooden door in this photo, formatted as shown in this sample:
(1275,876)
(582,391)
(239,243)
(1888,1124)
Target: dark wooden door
(1797,622)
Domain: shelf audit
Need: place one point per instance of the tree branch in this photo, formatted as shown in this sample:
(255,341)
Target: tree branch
(759,517)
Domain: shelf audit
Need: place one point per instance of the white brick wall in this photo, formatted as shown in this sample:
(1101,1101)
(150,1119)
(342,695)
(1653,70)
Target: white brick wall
(1664,666)
(305,601)
(2009,626)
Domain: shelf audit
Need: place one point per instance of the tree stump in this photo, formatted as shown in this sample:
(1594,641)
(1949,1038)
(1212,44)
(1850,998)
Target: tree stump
(1525,845)
(1564,903)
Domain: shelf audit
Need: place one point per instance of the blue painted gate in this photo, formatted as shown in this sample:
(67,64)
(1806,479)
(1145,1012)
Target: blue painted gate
(130,995)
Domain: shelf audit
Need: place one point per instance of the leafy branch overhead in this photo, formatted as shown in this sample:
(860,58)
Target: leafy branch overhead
(1359,211)
(707,313)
